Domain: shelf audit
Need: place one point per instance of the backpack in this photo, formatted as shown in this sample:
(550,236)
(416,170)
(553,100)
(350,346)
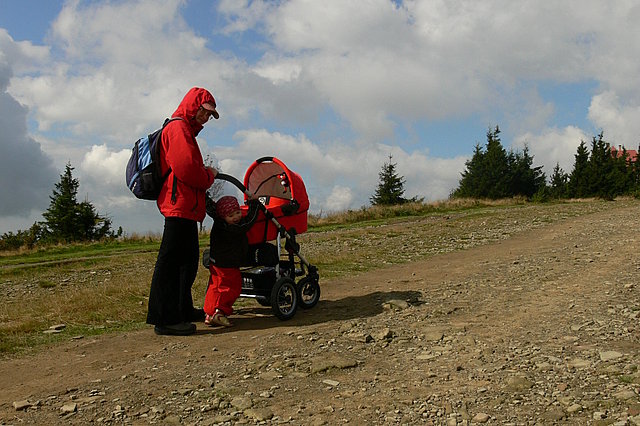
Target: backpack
(144,177)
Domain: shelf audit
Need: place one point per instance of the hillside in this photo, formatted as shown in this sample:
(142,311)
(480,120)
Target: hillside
(513,315)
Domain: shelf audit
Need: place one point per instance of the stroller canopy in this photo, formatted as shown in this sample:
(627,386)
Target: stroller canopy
(271,179)
(284,195)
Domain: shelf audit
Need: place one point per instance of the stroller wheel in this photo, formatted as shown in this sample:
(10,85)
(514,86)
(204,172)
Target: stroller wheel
(308,292)
(284,298)
(263,301)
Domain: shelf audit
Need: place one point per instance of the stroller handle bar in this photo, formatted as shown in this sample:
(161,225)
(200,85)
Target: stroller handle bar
(236,182)
(283,232)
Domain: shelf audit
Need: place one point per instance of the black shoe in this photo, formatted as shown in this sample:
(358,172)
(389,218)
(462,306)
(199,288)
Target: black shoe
(180,329)
(197,315)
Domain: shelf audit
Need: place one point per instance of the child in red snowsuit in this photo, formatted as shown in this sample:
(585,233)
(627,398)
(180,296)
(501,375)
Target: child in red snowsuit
(229,249)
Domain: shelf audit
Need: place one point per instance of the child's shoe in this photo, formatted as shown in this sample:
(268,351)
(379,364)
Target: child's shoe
(208,319)
(218,318)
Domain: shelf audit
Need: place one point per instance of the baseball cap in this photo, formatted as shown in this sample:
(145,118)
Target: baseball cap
(211,107)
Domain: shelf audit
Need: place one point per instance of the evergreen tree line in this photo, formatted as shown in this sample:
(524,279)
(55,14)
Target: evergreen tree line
(65,221)
(494,173)
(491,173)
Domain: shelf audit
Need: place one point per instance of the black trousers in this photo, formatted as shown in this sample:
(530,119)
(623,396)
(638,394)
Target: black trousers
(170,299)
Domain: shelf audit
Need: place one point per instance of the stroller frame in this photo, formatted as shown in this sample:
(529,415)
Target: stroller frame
(276,286)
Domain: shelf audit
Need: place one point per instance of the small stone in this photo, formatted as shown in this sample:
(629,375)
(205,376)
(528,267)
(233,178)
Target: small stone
(259,414)
(565,400)
(434,335)
(384,334)
(241,403)
(579,363)
(610,355)
(519,384)
(480,418)
(21,405)
(72,407)
(625,395)
(554,415)
(320,365)
(396,304)
(544,366)
(574,408)
(332,383)
(364,338)
(270,375)
(426,356)
(172,420)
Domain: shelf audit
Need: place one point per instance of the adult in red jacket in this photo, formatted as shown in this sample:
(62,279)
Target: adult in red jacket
(182,203)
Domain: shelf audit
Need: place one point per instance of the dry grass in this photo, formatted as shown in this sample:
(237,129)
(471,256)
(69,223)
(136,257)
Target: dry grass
(104,288)
(409,209)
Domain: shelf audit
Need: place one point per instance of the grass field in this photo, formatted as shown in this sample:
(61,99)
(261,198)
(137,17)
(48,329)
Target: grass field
(103,287)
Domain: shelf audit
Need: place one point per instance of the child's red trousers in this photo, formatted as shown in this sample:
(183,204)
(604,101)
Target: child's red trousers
(225,286)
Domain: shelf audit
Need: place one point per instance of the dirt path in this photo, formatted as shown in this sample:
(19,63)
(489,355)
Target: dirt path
(540,328)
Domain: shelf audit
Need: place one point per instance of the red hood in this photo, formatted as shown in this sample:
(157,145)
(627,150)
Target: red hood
(190,104)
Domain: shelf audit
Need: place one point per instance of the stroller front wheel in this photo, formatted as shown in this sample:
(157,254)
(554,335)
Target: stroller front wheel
(308,292)
(284,298)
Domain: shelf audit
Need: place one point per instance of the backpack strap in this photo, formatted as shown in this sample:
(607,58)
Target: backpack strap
(174,188)
(174,191)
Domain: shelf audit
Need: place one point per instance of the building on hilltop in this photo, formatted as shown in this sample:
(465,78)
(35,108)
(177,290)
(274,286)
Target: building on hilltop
(632,154)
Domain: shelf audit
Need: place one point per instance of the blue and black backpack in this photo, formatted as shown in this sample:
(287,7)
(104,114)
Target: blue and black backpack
(144,177)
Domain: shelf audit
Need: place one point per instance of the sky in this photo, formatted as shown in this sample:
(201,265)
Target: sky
(332,88)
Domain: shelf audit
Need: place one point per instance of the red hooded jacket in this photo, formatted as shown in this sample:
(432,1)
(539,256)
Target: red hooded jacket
(181,153)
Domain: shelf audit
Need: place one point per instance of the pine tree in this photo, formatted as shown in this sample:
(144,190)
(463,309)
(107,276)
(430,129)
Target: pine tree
(469,185)
(579,180)
(488,172)
(390,189)
(559,181)
(622,173)
(67,220)
(600,168)
(525,179)
(496,180)
(60,217)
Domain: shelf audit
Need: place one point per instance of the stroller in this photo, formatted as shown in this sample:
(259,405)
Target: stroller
(271,273)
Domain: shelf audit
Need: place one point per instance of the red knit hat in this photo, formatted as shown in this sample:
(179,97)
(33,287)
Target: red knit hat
(227,205)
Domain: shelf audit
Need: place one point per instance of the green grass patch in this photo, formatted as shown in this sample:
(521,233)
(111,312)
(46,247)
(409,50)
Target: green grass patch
(628,379)
(103,287)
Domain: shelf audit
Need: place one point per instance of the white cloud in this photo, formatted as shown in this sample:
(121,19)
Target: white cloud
(122,68)
(340,199)
(553,146)
(22,55)
(338,176)
(101,165)
(329,87)
(618,116)
(26,171)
